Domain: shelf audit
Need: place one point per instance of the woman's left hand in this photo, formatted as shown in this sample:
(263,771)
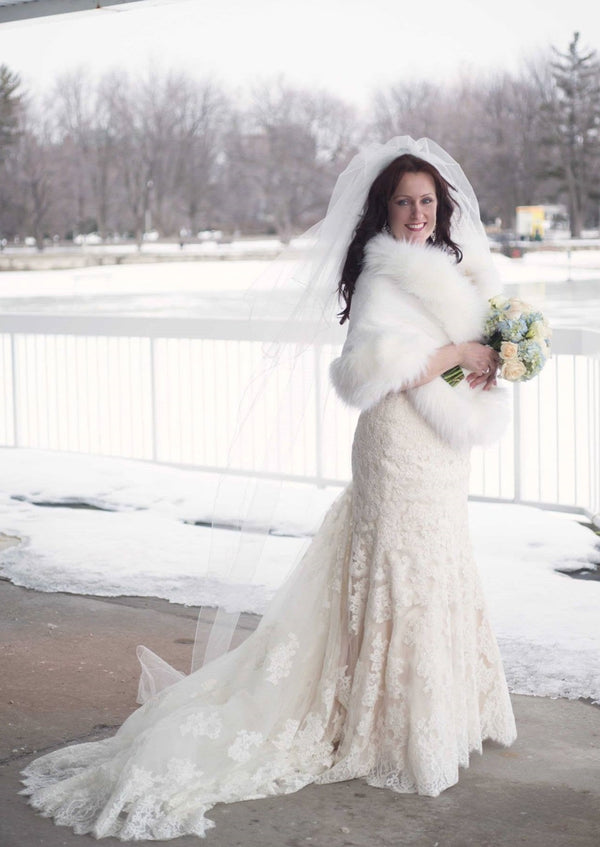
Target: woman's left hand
(486,379)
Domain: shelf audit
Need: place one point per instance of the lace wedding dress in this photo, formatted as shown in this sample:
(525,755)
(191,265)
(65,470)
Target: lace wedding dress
(375,660)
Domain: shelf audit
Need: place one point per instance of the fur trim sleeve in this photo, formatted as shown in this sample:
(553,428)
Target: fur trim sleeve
(379,363)
(461,415)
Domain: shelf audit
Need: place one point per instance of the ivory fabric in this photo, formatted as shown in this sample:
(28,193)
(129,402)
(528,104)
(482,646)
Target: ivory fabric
(375,659)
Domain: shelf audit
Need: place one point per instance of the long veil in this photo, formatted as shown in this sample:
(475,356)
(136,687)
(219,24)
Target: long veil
(287,420)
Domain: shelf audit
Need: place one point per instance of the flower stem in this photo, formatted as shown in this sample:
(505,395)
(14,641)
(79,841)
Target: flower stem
(454,375)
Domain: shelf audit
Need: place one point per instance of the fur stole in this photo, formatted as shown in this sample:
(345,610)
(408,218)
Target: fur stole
(408,301)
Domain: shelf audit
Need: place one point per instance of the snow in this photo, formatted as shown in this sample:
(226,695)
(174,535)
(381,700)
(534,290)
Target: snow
(204,248)
(123,280)
(140,544)
(549,266)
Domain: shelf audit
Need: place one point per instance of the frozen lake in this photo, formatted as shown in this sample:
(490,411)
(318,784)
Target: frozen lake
(567,290)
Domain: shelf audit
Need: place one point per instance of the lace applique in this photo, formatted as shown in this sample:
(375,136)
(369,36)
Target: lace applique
(312,729)
(327,694)
(141,781)
(312,742)
(241,749)
(344,684)
(356,602)
(279,659)
(382,604)
(286,736)
(182,771)
(394,680)
(203,722)
(373,688)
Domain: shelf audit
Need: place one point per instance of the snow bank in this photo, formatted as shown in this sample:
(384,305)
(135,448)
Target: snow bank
(140,540)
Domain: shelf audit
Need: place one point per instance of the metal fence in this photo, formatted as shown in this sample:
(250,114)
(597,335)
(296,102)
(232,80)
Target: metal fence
(167,390)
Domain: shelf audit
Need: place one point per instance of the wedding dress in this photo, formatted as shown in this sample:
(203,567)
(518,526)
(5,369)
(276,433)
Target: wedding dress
(375,659)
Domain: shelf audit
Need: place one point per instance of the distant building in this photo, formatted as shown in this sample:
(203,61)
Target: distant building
(534,222)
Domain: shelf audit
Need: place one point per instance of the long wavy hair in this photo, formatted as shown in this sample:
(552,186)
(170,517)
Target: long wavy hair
(375,218)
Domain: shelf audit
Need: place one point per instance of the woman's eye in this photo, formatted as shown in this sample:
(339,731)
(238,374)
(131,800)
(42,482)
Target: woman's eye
(428,200)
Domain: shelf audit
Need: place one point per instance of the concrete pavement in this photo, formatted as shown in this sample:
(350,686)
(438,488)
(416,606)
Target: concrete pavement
(69,673)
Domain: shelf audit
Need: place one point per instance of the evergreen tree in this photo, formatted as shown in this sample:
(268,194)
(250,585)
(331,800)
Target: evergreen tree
(9,109)
(573,110)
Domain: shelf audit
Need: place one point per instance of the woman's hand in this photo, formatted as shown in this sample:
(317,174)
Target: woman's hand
(482,360)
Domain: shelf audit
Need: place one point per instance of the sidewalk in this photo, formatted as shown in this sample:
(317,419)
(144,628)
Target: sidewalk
(69,673)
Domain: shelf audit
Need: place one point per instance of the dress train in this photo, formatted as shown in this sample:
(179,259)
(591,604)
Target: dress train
(375,659)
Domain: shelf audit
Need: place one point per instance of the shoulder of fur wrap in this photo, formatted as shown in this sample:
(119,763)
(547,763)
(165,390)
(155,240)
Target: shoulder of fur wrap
(409,301)
(416,288)
(409,263)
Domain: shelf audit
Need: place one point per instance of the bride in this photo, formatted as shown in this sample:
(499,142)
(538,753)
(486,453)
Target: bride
(375,659)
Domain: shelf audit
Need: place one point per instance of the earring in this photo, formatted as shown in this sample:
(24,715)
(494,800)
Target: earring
(387,227)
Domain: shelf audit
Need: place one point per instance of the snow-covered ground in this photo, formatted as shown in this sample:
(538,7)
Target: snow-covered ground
(207,248)
(549,266)
(141,540)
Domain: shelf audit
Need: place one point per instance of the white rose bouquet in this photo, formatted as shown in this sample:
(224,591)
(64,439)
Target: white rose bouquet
(520,334)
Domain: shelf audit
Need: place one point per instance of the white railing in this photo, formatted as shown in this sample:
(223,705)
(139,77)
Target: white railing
(166,390)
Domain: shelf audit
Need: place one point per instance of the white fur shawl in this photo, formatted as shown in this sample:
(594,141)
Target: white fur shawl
(410,300)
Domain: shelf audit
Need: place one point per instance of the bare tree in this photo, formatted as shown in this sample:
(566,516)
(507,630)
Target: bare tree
(202,115)
(35,170)
(503,163)
(83,123)
(156,113)
(133,153)
(287,148)
(412,107)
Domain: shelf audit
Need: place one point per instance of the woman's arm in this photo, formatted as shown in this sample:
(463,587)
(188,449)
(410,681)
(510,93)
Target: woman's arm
(471,355)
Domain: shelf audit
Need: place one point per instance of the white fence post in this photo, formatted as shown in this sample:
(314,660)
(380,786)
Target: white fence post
(15,415)
(153,399)
(517,440)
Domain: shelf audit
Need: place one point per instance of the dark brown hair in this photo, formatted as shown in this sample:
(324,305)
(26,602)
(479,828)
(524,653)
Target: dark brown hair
(375,217)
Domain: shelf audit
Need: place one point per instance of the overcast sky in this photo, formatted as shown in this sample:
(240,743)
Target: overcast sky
(349,47)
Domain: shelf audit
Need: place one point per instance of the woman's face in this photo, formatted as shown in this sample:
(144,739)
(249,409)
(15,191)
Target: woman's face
(412,208)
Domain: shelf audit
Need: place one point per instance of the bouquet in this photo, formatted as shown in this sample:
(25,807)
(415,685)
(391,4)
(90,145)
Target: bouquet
(519,333)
